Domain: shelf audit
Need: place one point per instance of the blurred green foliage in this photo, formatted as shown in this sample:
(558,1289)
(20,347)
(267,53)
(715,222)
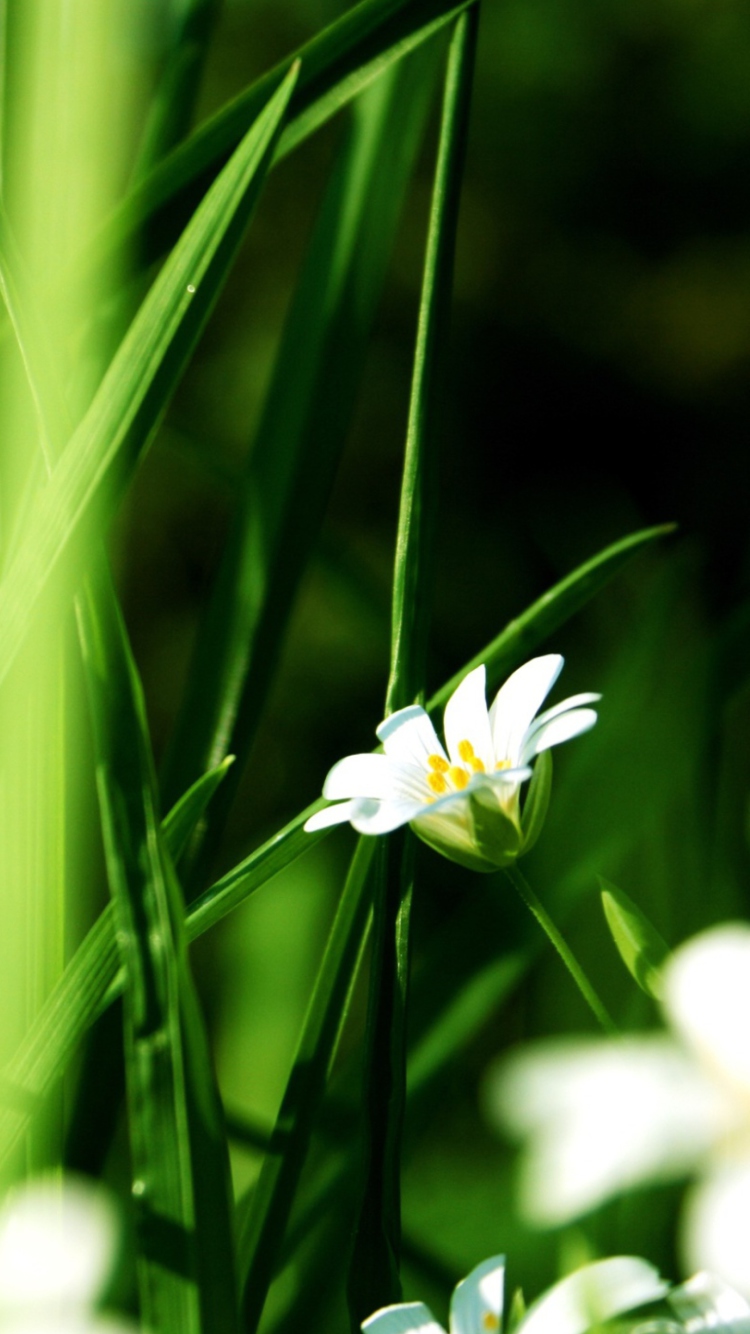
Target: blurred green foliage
(597,383)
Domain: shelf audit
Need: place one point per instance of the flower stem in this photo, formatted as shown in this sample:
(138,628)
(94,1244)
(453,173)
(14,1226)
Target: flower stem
(523,888)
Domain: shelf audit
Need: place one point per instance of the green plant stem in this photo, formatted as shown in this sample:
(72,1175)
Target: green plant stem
(599,1010)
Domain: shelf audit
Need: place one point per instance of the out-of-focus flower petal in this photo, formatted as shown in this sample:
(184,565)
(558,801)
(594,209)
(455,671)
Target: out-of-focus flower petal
(706,1303)
(477,1302)
(518,701)
(707,997)
(592,1295)
(601,1116)
(715,1225)
(466,719)
(57,1244)
(405,1318)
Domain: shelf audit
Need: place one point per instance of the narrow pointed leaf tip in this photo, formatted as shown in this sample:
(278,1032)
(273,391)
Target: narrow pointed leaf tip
(463,798)
(643,951)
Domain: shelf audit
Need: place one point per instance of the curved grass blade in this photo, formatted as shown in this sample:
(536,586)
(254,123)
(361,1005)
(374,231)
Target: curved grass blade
(178,1149)
(134,392)
(90,980)
(292,465)
(337,65)
(263,1219)
(374,1279)
(521,636)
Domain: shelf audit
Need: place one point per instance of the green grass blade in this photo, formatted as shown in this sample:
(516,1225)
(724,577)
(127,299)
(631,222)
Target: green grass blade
(90,976)
(337,65)
(135,389)
(77,999)
(522,635)
(263,1220)
(374,1279)
(292,464)
(177,1146)
(172,106)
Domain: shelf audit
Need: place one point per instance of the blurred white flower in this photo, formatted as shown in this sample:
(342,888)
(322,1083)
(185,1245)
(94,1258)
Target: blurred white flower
(595,1293)
(602,1115)
(461,799)
(58,1240)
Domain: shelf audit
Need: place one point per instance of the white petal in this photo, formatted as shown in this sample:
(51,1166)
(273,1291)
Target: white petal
(409,737)
(715,1225)
(707,997)
(518,701)
(406,1318)
(330,815)
(359,776)
(592,1295)
(477,1302)
(557,730)
(572,702)
(57,1244)
(706,1302)
(466,719)
(601,1116)
(382,817)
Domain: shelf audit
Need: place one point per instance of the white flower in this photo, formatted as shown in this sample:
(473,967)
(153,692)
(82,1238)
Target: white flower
(595,1293)
(462,799)
(57,1244)
(604,1115)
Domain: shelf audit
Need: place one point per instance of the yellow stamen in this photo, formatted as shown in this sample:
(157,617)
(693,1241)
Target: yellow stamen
(466,751)
(437,782)
(503,764)
(490,1321)
(458,776)
(476,764)
(437,763)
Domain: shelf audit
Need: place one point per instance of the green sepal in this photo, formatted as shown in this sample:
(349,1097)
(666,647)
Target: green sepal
(454,854)
(537,801)
(643,951)
(496,835)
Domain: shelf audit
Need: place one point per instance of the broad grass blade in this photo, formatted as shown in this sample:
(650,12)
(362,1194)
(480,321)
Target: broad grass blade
(337,65)
(136,388)
(178,1150)
(374,1279)
(263,1219)
(292,465)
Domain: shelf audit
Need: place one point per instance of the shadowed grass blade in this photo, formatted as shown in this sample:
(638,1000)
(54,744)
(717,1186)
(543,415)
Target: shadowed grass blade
(264,1218)
(374,1279)
(337,65)
(178,1149)
(136,388)
(293,462)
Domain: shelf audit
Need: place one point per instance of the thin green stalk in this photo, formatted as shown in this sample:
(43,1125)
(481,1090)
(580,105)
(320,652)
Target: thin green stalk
(597,1007)
(374,1269)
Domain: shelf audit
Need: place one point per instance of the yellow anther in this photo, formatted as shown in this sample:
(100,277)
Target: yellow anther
(466,751)
(437,763)
(476,764)
(503,764)
(437,782)
(490,1321)
(458,776)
